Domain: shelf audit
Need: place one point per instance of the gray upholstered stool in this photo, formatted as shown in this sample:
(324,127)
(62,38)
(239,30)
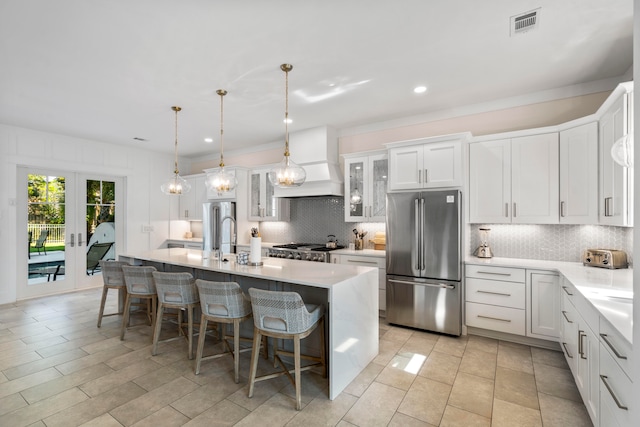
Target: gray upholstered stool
(113,278)
(284,315)
(140,284)
(175,290)
(223,303)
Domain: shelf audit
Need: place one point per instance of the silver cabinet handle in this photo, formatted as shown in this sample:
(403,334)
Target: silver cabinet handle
(426,176)
(494,318)
(72,241)
(566,350)
(607,206)
(613,395)
(431,285)
(419,176)
(493,293)
(581,334)
(564,313)
(514,209)
(80,242)
(615,351)
(357,261)
(565,289)
(497,274)
(506,210)
(562,214)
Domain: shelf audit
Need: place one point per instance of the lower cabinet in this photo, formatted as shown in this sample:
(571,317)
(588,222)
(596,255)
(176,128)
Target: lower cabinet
(368,261)
(543,305)
(615,392)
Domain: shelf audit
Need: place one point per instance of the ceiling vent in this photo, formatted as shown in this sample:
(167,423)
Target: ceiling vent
(524,22)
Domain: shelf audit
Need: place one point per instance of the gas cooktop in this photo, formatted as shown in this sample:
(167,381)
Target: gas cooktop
(307,247)
(303,251)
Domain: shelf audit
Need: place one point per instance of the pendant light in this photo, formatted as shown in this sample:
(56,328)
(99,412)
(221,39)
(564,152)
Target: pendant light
(622,151)
(221,181)
(287,174)
(176,185)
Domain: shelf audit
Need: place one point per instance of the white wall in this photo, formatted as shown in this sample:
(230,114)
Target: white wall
(143,170)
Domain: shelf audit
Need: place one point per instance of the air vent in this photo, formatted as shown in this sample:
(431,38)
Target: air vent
(135,138)
(525,22)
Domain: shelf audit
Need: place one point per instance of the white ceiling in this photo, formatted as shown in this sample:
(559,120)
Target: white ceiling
(110,70)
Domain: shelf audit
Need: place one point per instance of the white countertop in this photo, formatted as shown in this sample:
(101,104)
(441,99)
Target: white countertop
(609,291)
(188,240)
(323,275)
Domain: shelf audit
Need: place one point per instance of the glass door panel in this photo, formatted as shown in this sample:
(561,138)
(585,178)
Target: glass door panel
(379,187)
(356,188)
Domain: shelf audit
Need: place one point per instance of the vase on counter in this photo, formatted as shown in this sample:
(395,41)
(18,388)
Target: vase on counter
(359,244)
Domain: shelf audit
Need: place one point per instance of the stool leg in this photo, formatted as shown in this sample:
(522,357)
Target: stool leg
(190,331)
(102,303)
(203,332)
(156,332)
(125,317)
(254,360)
(154,309)
(296,358)
(236,349)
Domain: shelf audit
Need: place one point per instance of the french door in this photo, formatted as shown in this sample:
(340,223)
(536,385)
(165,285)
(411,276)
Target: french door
(71,221)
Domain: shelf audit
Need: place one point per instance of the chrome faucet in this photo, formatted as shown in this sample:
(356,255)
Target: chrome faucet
(235,230)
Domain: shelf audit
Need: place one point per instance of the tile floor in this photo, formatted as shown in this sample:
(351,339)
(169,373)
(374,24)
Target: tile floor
(58,369)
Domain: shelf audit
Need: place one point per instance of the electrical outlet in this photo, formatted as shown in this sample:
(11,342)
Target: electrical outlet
(147,228)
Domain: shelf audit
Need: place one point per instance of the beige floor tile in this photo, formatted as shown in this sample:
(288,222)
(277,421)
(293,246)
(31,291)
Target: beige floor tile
(558,412)
(312,385)
(473,394)
(441,367)
(95,407)
(117,378)
(556,382)
(104,420)
(402,420)
(223,413)
(323,412)
(165,417)
(145,405)
(451,345)
(203,398)
(364,379)
(515,356)
(376,406)
(401,371)
(455,417)
(92,359)
(507,414)
(479,363)
(386,350)
(42,364)
(18,359)
(42,409)
(426,390)
(397,334)
(37,424)
(488,345)
(549,357)
(9,387)
(419,343)
(55,386)
(262,392)
(69,345)
(277,411)
(11,403)
(516,387)
(157,378)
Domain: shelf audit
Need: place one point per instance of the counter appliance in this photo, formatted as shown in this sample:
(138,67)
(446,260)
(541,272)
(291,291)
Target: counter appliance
(605,258)
(424,260)
(219,227)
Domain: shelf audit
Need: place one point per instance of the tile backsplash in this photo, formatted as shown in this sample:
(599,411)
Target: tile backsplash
(313,219)
(551,242)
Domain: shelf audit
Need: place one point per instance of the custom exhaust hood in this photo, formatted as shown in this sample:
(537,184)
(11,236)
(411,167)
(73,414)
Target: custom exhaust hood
(316,150)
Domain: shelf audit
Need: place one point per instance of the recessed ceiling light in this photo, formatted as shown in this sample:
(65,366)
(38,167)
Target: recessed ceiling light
(209,140)
(420,89)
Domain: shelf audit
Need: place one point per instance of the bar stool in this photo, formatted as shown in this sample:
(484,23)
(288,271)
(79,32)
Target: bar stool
(175,290)
(113,278)
(140,284)
(284,315)
(223,303)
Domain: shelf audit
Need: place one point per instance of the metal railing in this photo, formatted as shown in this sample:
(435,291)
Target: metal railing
(56,232)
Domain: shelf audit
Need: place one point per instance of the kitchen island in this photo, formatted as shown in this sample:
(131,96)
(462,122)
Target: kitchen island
(349,293)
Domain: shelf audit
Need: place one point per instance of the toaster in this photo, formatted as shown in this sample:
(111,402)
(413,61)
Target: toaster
(605,258)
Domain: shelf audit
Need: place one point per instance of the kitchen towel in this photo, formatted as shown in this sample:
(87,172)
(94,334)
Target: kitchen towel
(255,256)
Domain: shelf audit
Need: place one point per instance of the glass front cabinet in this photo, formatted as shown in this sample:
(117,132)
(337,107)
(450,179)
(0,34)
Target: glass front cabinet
(365,184)
(263,206)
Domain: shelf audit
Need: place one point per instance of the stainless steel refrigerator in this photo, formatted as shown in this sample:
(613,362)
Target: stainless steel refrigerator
(424,260)
(219,228)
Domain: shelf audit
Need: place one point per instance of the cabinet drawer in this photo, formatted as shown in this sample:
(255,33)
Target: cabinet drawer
(505,274)
(619,349)
(506,294)
(503,319)
(364,261)
(615,388)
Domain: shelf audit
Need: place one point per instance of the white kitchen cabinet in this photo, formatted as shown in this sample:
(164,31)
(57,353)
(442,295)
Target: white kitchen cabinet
(191,203)
(579,174)
(368,261)
(365,183)
(543,305)
(422,164)
(615,392)
(514,180)
(568,329)
(616,182)
(263,206)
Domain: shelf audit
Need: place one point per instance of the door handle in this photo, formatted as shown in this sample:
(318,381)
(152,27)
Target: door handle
(566,291)
(514,209)
(564,313)
(80,242)
(419,176)
(494,318)
(613,395)
(416,211)
(566,350)
(72,240)
(581,334)
(615,351)
(506,210)
(562,214)
(493,293)
(423,265)
(426,176)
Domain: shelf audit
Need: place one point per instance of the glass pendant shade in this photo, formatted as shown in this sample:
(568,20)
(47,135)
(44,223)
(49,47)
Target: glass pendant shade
(176,185)
(622,151)
(221,181)
(287,173)
(356,197)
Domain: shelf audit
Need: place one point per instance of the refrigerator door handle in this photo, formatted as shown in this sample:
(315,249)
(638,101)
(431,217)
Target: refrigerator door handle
(215,244)
(417,235)
(432,285)
(423,263)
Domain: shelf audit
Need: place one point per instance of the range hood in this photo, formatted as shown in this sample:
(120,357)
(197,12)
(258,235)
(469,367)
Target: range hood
(316,150)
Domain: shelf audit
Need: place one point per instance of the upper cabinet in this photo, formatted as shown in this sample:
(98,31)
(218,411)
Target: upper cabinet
(426,163)
(263,206)
(514,180)
(191,202)
(616,182)
(365,184)
(579,174)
